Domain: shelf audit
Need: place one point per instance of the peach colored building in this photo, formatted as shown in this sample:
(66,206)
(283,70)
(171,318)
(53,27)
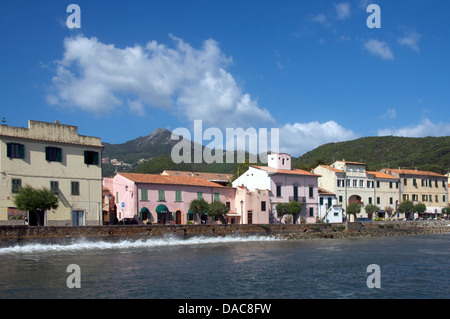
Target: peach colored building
(252,207)
(161,199)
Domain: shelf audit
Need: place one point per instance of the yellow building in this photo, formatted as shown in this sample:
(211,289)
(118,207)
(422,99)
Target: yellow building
(424,187)
(54,156)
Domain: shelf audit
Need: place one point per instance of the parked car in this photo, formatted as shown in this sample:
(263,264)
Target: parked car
(363,219)
(128,221)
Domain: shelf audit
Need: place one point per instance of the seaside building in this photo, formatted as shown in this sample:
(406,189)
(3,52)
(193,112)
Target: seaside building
(252,207)
(54,156)
(162,199)
(350,182)
(424,187)
(329,211)
(284,185)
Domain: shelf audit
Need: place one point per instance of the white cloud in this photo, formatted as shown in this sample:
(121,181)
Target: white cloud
(379,48)
(342,10)
(426,128)
(390,114)
(320,18)
(190,83)
(299,138)
(411,40)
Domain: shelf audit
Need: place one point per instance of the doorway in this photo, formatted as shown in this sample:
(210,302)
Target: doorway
(36,218)
(178,217)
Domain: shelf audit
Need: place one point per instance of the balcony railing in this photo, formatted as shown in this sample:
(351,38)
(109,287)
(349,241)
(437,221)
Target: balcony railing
(298,199)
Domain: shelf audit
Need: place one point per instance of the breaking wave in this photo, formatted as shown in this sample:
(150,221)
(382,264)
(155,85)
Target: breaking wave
(86,245)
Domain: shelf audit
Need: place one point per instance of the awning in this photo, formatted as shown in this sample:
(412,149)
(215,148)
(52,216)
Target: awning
(232,214)
(144,210)
(162,209)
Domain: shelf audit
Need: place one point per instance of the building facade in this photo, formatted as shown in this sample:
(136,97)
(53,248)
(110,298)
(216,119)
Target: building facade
(162,199)
(329,211)
(284,185)
(424,187)
(352,183)
(54,156)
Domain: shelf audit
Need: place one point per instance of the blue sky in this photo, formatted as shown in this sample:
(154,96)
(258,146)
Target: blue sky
(313,69)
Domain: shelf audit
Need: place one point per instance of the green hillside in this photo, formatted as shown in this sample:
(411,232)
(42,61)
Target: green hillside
(427,153)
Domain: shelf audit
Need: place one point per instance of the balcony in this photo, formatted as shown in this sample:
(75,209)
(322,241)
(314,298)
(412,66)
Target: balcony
(298,199)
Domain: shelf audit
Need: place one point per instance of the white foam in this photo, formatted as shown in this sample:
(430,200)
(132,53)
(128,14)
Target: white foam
(85,245)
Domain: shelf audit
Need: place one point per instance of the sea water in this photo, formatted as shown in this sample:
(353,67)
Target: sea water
(230,267)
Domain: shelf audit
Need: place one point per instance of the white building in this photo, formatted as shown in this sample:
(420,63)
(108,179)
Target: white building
(329,210)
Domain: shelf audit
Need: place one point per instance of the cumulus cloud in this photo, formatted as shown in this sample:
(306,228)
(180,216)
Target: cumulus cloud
(299,138)
(188,82)
(423,129)
(379,48)
(342,10)
(411,40)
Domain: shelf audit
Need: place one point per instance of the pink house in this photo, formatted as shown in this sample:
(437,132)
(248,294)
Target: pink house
(164,199)
(284,185)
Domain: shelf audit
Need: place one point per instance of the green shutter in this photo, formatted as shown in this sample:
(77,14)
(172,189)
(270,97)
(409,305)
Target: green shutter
(21,151)
(59,155)
(8,149)
(161,195)
(144,194)
(86,157)
(199,195)
(96,158)
(178,196)
(216,197)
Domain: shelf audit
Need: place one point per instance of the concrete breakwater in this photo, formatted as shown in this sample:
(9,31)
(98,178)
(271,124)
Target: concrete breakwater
(14,235)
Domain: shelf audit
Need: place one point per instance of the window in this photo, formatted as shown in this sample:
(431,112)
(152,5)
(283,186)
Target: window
(370,200)
(311,212)
(423,182)
(436,197)
(77,218)
(75,188)
(436,184)
(295,189)
(391,201)
(443,198)
(321,201)
(443,184)
(338,183)
(311,191)
(216,197)
(430,183)
(16,184)
(340,198)
(361,183)
(14,150)
(161,196)
(228,205)
(91,158)
(378,184)
(199,195)
(415,197)
(414,182)
(405,196)
(355,183)
(390,185)
(424,198)
(368,184)
(396,184)
(263,206)
(144,194)
(178,196)
(54,187)
(405,181)
(348,183)
(53,154)
(278,190)
(378,200)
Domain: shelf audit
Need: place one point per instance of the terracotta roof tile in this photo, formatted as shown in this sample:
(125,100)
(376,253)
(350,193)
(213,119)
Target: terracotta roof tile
(414,172)
(332,169)
(170,180)
(209,176)
(381,175)
(285,171)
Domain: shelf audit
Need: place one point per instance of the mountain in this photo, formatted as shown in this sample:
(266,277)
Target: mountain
(427,153)
(151,154)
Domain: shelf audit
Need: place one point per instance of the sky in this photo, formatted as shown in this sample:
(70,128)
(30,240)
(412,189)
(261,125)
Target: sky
(314,70)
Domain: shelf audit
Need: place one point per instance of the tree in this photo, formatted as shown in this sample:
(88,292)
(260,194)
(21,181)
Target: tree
(198,206)
(389,211)
(294,208)
(353,208)
(370,209)
(420,208)
(282,209)
(218,209)
(446,210)
(406,207)
(31,199)
(36,201)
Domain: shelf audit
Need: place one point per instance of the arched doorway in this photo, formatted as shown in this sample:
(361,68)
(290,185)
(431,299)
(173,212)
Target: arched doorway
(178,217)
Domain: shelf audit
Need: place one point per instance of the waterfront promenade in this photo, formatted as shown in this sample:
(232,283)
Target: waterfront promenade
(13,235)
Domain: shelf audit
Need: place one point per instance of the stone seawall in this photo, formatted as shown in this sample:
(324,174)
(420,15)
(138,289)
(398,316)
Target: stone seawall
(13,235)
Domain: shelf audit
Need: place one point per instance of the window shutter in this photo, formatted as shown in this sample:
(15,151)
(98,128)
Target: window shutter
(86,157)
(59,155)
(21,151)
(47,153)
(8,149)
(95,158)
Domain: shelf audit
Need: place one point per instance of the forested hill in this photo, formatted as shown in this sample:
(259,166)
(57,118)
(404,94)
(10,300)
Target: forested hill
(427,153)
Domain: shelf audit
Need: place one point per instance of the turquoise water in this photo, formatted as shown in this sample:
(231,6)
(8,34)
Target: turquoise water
(253,267)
